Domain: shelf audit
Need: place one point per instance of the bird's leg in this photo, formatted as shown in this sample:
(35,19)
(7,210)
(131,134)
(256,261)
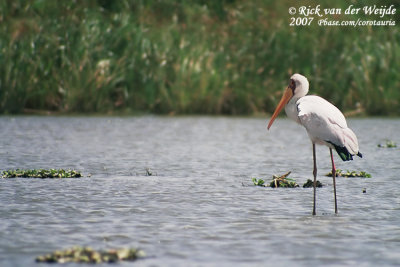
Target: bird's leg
(334,179)
(315,176)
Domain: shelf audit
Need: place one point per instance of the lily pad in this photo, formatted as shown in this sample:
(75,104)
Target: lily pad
(341,173)
(310,183)
(89,255)
(41,173)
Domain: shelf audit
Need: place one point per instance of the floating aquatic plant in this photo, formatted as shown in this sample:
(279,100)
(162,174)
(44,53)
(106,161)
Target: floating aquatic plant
(310,183)
(361,174)
(388,144)
(150,172)
(283,181)
(364,190)
(258,182)
(41,173)
(89,255)
(277,181)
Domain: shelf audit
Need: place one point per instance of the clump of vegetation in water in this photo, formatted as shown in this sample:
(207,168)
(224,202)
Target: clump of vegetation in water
(310,183)
(149,172)
(341,173)
(277,181)
(41,173)
(388,144)
(258,182)
(89,255)
(283,181)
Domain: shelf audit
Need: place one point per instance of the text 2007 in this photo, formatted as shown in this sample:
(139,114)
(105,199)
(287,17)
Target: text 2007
(300,21)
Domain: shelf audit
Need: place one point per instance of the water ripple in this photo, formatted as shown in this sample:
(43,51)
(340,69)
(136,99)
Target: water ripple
(199,207)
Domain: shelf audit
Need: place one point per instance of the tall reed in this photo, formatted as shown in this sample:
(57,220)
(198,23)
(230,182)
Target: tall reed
(186,57)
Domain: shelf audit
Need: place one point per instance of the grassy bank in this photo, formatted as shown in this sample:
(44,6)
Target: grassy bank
(185,57)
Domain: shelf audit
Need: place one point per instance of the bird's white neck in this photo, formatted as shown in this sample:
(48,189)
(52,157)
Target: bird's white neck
(291,109)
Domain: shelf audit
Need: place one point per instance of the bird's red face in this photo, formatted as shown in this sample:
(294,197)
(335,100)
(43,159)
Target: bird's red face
(287,95)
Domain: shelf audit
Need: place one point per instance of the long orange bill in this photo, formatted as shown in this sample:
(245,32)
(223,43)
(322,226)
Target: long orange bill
(287,95)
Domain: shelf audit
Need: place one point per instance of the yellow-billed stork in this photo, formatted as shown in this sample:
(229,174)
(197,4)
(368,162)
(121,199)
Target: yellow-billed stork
(324,122)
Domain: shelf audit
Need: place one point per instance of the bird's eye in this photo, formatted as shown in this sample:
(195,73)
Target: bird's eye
(292,85)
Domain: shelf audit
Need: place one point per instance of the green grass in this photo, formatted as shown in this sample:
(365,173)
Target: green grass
(187,57)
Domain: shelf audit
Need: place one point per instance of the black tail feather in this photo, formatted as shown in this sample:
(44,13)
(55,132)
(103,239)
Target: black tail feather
(343,153)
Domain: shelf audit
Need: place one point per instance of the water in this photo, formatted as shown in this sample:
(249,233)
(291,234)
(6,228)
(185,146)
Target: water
(199,208)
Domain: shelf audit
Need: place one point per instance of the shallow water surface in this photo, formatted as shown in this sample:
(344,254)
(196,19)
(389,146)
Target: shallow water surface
(199,207)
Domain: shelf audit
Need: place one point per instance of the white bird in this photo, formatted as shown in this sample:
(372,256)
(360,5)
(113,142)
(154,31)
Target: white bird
(324,122)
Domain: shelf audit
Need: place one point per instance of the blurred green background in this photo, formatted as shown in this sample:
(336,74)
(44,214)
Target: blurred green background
(189,57)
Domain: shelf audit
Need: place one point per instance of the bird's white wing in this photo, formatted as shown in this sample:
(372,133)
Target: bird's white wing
(323,121)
